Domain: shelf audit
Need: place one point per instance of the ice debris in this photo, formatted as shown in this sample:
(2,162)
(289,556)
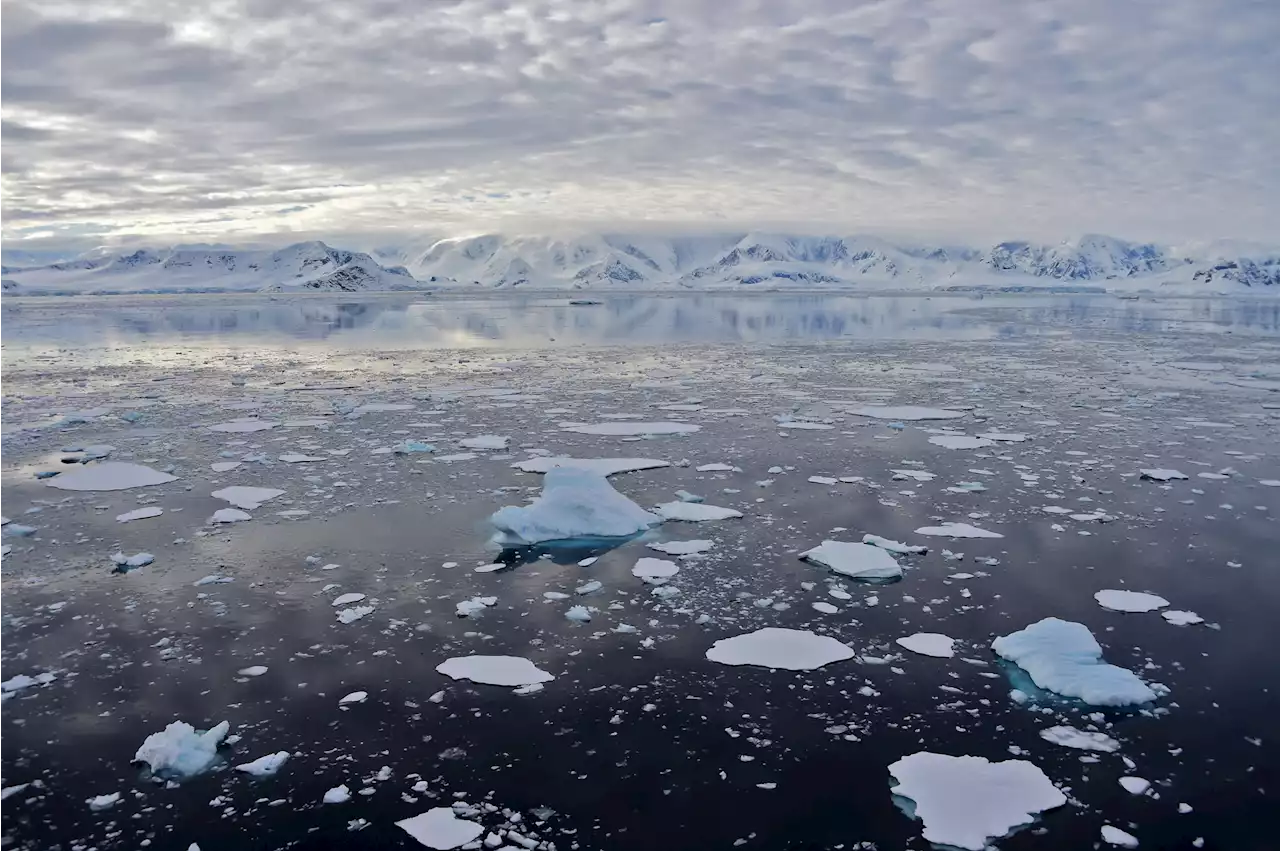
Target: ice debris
(1070,737)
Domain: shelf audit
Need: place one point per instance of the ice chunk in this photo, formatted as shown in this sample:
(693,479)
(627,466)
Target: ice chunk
(601,466)
(681,548)
(1116,836)
(230,515)
(212,579)
(1063,657)
(581,614)
(929,644)
(633,428)
(1129,601)
(139,514)
(894,546)
(485,441)
(718,468)
(474,606)
(103,802)
(337,795)
(244,426)
(22,681)
(253,671)
(110,476)
(957,530)
(347,599)
(912,413)
(776,647)
(299,458)
(440,828)
(224,466)
(860,561)
(247,498)
(1162,475)
(354,697)
(960,441)
(916,475)
(264,766)
(1181,618)
(574,504)
(1135,785)
(966,800)
(135,560)
(410,447)
(179,751)
(353,614)
(494,670)
(1004,437)
(655,570)
(695,512)
(1070,737)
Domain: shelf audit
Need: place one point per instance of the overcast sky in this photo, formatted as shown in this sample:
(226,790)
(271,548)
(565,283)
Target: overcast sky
(982,119)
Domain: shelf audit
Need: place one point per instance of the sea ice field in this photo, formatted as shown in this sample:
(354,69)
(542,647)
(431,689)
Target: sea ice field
(759,571)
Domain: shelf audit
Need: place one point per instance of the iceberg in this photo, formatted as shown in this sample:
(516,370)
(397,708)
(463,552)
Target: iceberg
(179,751)
(859,561)
(574,503)
(1063,657)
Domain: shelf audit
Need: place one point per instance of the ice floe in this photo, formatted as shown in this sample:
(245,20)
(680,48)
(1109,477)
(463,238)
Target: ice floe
(929,644)
(24,681)
(485,441)
(337,795)
(960,441)
(908,413)
(1135,785)
(353,614)
(1129,601)
(347,599)
(859,561)
(247,498)
(574,503)
(1063,657)
(1070,737)
(110,476)
(103,802)
(244,426)
(299,458)
(440,828)
(776,647)
(229,515)
(1181,618)
(1116,836)
(655,570)
(353,698)
(264,766)
(628,428)
(957,530)
(180,751)
(695,512)
(681,548)
(474,606)
(1004,436)
(494,670)
(1161,474)
(253,671)
(139,514)
(893,546)
(600,466)
(224,466)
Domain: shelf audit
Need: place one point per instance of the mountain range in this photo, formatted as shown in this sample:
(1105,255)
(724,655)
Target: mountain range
(603,261)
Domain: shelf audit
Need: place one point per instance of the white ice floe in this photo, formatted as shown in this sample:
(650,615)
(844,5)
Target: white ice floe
(485,441)
(457,456)
(574,503)
(964,801)
(825,607)
(695,512)
(655,570)
(823,480)
(247,498)
(244,426)
(1070,737)
(1181,618)
(627,428)
(1004,437)
(347,599)
(579,614)
(1135,785)
(494,670)
(109,476)
(474,606)
(916,475)
(224,466)
(1116,836)
(960,441)
(380,407)
(264,766)
(957,530)
(718,468)
(229,515)
(337,795)
(893,546)
(803,425)
(1162,475)
(139,514)
(682,548)
(253,671)
(1063,657)
(212,579)
(859,561)
(22,681)
(1129,601)
(440,828)
(179,751)
(930,644)
(353,614)
(906,413)
(299,458)
(353,698)
(776,647)
(103,802)
(135,560)
(601,466)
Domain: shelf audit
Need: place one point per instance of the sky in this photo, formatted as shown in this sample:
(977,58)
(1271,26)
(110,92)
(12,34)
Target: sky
(983,119)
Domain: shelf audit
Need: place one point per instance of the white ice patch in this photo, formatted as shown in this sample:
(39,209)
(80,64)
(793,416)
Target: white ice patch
(485,441)
(179,751)
(109,476)
(957,530)
(859,561)
(916,475)
(600,466)
(353,614)
(475,606)
(139,514)
(264,766)
(247,498)
(337,795)
(930,644)
(1070,737)
(224,466)
(494,670)
(682,548)
(695,512)
(906,413)
(775,647)
(894,546)
(253,671)
(299,458)
(1162,475)
(960,441)
(1129,601)
(103,802)
(1135,785)
(718,468)
(348,599)
(1004,437)
(624,429)
(1116,836)
(655,570)
(244,426)
(229,515)
(353,698)
(966,800)
(21,681)
(440,828)
(574,504)
(1063,657)
(1181,618)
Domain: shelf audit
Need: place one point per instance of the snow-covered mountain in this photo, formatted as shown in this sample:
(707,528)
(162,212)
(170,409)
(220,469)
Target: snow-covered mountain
(601,261)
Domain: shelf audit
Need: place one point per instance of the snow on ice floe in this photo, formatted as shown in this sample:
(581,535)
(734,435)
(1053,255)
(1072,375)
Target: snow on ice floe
(494,670)
(264,766)
(244,426)
(655,570)
(894,546)
(229,515)
(859,561)
(347,599)
(1063,657)
(964,801)
(109,476)
(695,512)
(1129,601)
(930,644)
(1116,836)
(682,548)
(574,503)
(776,647)
(1161,474)
(139,514)
(247,498)
(960,441)
(906,413)
(1070,737)
(339,794)
(1181,618)
(440,828)
(802,425)
(224,466)
(353,698)
(600,466)
(957,530)
(180,751)
(485,441)
(619,428)
(353,614)
(103,802)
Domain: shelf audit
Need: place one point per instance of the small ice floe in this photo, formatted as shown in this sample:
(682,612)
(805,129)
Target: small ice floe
(655,571)
(412,447)
(381,407)
(212,579)
(600,466)
(776,647)
(347,599)
(965,801)
(589,587)
(139,514)
(494,670)
(1116,836)
(824,607)
(802,425)
(474,606)
(915,475)
(859,561)
(229,515)
(894,546)
(694,512)
(440,828)
(353,614)
(578,614)
(244,426)
(264,766)
(930,644)
(23,681)
(17,530)
(126,563)
(957,530)
(1129,601)
(110,476)
(1181,618)
(337,795)
(1063,657)
(718,468)
(960,441)
(353,698)
(625,429)
(103,802)
(1004,437)
(682,548)
(909,413)
(686,496)
(253,671)
(8,791)
(1162,475)
(490,568)
(822,480)
(588,561)
(485,441)
(1070,737)
(574,504)
(180,751)
(457,456)
(247,498)
(1135,785)
(299,458)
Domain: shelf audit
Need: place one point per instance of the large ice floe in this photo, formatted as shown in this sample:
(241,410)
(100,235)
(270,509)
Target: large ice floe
(574,503)
(440,828)
(695,512)
(858,561)
(494,670)
(776,647)
(110,476)
(600,466)
(1063,657)
(247,498)
(966,800)
(957,530)
(1129,601)
(179,750)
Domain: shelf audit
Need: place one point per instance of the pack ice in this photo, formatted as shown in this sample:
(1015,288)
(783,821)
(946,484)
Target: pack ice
(1063,657)
(179,751)
(574,503)
(859,561)
(109,476)
(777,647)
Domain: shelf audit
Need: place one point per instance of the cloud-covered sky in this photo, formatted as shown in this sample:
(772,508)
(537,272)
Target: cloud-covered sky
(1155,119)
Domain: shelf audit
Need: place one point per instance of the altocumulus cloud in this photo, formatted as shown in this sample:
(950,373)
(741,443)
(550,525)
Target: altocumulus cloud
(1150,118)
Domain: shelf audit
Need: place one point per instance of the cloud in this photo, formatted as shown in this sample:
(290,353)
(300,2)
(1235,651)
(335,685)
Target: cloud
(1148,118)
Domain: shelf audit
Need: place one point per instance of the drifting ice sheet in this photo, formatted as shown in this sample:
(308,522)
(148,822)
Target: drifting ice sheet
(907,413)
(775,647)
(623,429)
(966,800)
(859,561)
(139,514)
(574,504)
(960,441)
(109,476)
(682,548)
(1063,657)
(695,512)
(441,829)
(494,670)
(246,497)
(1129,601)
(179,751)
(930,644)
(655,570)
(957,530)
(1070,737)
(600,466)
